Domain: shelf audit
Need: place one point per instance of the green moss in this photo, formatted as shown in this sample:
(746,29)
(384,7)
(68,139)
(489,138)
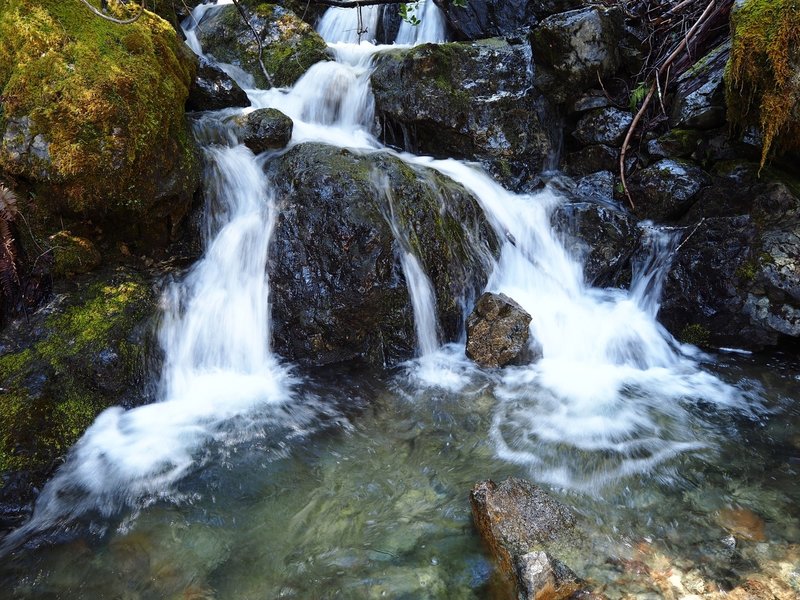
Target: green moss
(695,334)
(51,393)
(761,74)
(72,254)
(108,98)
(747,271)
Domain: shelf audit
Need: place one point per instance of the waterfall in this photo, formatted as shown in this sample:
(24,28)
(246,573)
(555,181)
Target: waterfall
(611,395)
(431,28)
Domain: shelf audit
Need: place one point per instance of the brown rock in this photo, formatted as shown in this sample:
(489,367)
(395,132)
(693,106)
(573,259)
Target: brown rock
(742,523)
(497,331)
(516,519)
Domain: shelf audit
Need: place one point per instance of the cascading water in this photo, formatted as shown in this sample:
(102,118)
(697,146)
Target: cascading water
(612,395)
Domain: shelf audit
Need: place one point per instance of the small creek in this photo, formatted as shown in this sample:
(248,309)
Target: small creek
(251,478)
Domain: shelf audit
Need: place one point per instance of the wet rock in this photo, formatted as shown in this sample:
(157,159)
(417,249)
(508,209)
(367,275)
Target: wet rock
(603,126)
(742,523)
(699,101)
(603,237)
(83,352)
(337,288)
(592,159)
(676,143)
(667,189)
(214,89)
(591,100)
(572,49)
(290,45)
(472,101)
(736,279)
(497,331)
(517,521)
(264,129)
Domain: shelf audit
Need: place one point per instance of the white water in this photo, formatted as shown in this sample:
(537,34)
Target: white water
(612,395)
(431,28)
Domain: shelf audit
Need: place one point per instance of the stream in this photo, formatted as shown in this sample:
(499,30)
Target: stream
(255,478)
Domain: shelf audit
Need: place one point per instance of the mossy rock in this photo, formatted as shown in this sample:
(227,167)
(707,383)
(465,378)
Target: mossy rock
(60,368)
(762,73)
(72,254)
(93,113)
(290,45)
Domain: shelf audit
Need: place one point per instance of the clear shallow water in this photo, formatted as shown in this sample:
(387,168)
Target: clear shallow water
(371,501)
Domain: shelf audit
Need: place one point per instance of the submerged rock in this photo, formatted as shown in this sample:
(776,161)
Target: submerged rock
(214,89)
(337,288)
(474,101)
(81,353)
(290,45)
(518,520)
(497,331)
(264,129)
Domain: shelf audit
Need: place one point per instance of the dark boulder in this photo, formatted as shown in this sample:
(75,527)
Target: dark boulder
(572,49)
(592,159)
(214,89)
(290,45)
(472,101)
(665,191)
(337,287)
(497,331)
(602,236)
(264,129)
(735,280)
(518,522)
(699,101)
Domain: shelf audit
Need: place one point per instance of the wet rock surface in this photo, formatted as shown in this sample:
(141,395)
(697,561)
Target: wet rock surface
(699,100)
(472,101)
(518,520)
(481,19)
(497,332)
(290,45)
(603,126)
(572,49)
(214,89)
(264,129)
(666,190)
(604,237)
(338,291)
(736,277)
(84,351)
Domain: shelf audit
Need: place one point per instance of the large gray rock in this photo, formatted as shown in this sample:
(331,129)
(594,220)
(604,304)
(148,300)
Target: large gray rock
(337,287)
(667,189)
(264,129)
(518,521)
(699,100)
(572,49)
(497,331)
(603,126)
(471,101)
(290,45)
(213,89)
(735,280)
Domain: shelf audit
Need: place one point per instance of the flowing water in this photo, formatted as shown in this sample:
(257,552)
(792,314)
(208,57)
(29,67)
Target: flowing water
(253,479)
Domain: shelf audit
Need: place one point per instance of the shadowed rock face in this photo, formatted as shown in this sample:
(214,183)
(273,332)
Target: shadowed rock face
(214,89)
(518,520)
(497,331)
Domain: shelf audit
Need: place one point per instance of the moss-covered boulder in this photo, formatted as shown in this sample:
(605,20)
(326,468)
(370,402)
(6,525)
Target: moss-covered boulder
(73,254)
(93,115)
(337,286)
(465,100)
(83,352)
(290,45)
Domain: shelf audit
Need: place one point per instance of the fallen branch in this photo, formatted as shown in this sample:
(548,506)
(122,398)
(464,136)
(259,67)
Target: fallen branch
(661,70)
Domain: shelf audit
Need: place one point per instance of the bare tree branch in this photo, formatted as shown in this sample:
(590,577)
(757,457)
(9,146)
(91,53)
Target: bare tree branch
(102,15)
